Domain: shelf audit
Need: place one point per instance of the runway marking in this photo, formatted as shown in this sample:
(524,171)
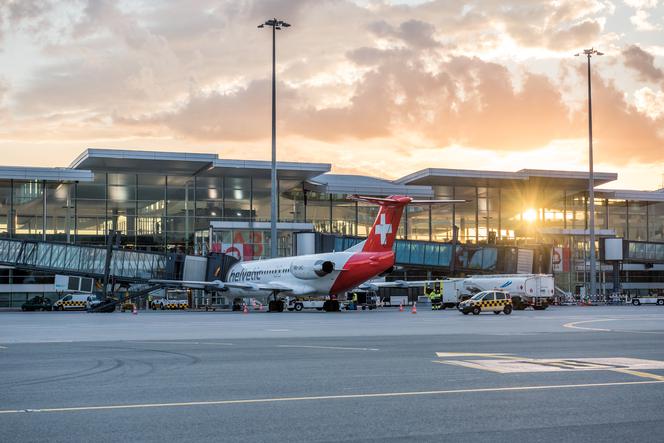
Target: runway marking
(3,347)
(278,330)
(330,397)
(328,347)
(573,325)
(180,343)
(640,374)
(472,354)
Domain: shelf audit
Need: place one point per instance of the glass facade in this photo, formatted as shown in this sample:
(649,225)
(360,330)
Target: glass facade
(163,212)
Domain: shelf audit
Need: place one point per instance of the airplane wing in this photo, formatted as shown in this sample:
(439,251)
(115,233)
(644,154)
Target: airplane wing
(190,283)
(217,284)
(374,286)
(272,286)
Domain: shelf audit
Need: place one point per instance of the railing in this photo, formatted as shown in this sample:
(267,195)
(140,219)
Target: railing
(84,260)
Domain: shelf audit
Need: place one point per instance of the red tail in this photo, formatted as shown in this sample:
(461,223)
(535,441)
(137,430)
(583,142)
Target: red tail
(384,230)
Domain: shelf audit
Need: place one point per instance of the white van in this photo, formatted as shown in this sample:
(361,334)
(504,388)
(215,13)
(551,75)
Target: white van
(73,302)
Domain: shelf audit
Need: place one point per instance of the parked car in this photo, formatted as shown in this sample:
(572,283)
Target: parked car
(37,303)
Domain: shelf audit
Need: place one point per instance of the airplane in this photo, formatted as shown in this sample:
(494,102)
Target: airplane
(326,274)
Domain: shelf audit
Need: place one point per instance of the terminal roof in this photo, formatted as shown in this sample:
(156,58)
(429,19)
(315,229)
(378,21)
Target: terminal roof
(48,174)
(628,194)
(359,184)
(178,163)
(570,180)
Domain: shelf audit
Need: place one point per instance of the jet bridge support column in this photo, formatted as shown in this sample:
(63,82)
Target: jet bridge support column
(113,238)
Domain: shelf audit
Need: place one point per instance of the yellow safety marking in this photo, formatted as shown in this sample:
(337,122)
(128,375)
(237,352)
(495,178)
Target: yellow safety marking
(640,374)
(465,365)
(333,397)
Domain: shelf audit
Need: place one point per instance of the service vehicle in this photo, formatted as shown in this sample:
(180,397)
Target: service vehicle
(534,290)
(38,303)
(92,301)
(298,304)
(72,302)
(127,305)
(487,301)
(648,300)
(174,299)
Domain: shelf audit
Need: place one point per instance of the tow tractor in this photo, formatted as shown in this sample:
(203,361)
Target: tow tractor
(298,304)
(648,300)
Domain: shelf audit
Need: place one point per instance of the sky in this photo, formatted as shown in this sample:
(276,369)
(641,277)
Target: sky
(374,87)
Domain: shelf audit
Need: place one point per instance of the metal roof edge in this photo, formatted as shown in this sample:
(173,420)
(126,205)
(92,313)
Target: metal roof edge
(42,173)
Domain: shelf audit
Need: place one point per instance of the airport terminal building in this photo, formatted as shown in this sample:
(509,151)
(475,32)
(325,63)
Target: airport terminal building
(523,221)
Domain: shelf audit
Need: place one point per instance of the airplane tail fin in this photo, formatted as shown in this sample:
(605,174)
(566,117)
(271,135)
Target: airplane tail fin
(384,230)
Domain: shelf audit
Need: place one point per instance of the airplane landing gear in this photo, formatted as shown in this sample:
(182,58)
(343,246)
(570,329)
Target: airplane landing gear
(275,305)
(331,306)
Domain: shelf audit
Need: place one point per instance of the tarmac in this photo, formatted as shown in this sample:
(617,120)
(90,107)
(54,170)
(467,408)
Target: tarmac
(564,374)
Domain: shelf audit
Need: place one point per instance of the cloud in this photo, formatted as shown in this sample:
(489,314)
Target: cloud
(643,63)
(641,21)
(622,132)
(642,4)
(435,74)
(649,102)
(414,33)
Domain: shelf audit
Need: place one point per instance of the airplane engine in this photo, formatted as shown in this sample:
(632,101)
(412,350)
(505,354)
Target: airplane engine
(311,269)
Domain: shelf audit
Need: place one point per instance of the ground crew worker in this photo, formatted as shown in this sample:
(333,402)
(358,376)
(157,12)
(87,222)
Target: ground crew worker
(150,300)
(354,300)
(435,300)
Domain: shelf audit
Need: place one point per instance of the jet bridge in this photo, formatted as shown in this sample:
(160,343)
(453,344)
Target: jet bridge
(89,261)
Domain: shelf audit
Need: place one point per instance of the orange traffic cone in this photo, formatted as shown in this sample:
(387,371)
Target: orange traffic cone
(134,310)
(400,307)
(414,310)
(245,310)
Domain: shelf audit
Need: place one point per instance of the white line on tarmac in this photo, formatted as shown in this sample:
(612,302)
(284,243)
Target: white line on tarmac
(328,397)
(328,347)
(181,343)
(3,347)
(573,325)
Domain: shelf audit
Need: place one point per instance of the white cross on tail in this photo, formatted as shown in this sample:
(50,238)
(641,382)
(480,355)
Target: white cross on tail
(383,229)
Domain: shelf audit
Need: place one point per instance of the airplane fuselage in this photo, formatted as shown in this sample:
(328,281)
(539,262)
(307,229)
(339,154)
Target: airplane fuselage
(350,270)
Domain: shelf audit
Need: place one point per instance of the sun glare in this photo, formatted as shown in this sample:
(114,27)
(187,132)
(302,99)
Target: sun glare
(530,215)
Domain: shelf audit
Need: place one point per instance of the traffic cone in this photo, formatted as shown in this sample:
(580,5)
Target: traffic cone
(401,307)
(245,310)
(134,310)
(414,310)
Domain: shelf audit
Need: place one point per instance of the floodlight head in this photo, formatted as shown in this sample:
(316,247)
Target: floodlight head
(599,53)
(262,26)
(285,25)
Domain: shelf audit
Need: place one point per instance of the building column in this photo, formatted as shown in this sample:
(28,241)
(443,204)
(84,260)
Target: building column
(44,225)
(11,222)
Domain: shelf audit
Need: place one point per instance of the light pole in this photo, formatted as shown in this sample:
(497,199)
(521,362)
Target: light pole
(276,25)
(591,178)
